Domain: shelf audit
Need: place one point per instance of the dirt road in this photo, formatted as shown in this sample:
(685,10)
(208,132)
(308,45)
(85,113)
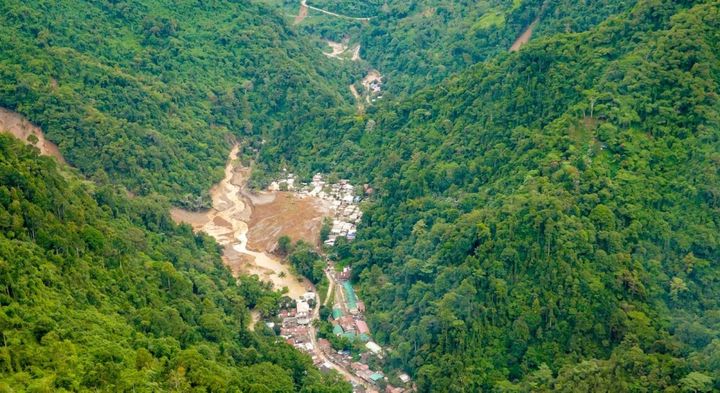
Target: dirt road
(318,352)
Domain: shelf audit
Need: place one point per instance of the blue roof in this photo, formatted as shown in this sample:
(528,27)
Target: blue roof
(351,297)
(376,376)
(337,313)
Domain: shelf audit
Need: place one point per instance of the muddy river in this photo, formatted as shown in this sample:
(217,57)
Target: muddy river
(247,248)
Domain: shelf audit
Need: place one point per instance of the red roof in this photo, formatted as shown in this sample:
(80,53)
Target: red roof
(362,327)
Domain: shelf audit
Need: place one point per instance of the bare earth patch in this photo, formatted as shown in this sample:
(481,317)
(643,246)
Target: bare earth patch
(524,38)
(302,14)
(248,226)
(298,218)
(17,125)
(195,219)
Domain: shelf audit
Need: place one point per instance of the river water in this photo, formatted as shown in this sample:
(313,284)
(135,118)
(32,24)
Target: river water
(227,221)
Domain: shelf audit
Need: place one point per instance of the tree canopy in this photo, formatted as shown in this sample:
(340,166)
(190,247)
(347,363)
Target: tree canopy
(547,220)
(99,292)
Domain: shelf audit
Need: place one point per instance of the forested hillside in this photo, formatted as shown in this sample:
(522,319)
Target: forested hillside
(543,220)
(416,43)
(150,92)
(421,42)
(103,293)
(549,220)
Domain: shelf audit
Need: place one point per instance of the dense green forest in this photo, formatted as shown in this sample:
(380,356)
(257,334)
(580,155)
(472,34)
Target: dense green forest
(544,220)
(99,292)
(415,43)
(421,42)
(152,92)
(548,220)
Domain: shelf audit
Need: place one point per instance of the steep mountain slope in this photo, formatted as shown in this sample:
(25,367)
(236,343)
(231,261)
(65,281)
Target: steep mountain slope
(103,293)
(150,92)
(421,42)
(417,43)
(546,220)
(551,217)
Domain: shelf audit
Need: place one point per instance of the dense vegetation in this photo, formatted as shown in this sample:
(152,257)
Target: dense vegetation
(551,218)
(548,220)
(545,220)
(103,293)
(415,43)
(151,92)
(307,262)
(421,42)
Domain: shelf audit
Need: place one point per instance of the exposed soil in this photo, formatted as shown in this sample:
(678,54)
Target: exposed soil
(254,318)
(356,53)
(17,125)
(524,38)
(196,219)
(358,99)
(298,218)
(270,216)
(341,51)
(338,48)
(373,75)
(302,14)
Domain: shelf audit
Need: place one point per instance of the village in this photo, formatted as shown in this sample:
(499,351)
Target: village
(348,320)
(299,321)
(343,200)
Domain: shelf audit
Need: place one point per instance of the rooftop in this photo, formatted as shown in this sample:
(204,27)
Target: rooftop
(376,376)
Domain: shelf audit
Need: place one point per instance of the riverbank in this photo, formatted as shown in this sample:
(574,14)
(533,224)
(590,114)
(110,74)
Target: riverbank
(231,222)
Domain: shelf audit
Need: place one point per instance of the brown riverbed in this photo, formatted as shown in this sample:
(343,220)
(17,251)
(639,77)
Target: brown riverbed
(248,226)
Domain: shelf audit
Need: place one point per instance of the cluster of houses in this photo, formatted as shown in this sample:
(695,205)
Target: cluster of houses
(287,184)
(295,322)
(353,328)
(348,321)
(342,199)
